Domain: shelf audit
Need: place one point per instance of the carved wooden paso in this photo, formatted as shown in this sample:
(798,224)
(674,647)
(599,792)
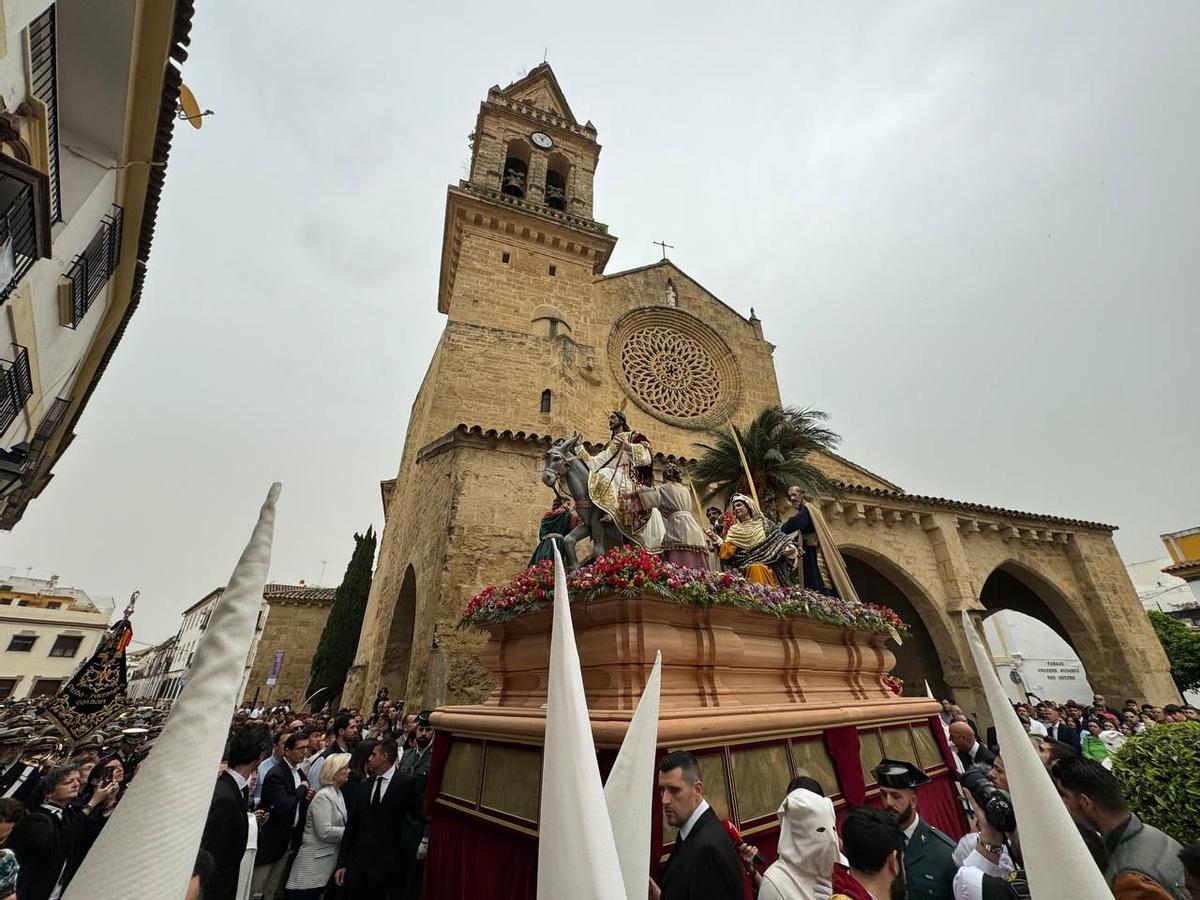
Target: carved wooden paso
(727,673)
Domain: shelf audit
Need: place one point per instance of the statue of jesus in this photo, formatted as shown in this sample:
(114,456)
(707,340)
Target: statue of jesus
(617,471)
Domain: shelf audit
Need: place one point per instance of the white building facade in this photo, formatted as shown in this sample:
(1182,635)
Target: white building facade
(1034,661)
(46,631)
(88,95)
(150,667)
(191,630)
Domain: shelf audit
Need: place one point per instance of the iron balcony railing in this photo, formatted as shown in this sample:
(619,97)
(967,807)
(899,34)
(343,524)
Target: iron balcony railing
(93,267)
(16,386)
(43,69)
(18,235)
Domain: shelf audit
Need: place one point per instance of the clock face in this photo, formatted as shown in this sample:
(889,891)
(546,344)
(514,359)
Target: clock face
(541,140)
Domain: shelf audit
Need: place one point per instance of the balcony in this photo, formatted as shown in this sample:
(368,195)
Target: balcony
(43,70)
(24,222)
(90,272)
(16,386)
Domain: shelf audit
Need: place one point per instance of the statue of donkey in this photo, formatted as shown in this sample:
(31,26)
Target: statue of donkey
(562,467)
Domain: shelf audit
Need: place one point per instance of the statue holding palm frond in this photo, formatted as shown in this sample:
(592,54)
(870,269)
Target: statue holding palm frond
(779,447)
(775,455)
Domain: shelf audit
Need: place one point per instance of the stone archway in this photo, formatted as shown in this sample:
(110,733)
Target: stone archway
(878,580)
(1013,586)
(397,652)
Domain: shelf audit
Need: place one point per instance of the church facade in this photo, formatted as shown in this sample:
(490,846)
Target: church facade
(540,341)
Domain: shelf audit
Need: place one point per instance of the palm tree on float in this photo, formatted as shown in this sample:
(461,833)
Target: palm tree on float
(779,445)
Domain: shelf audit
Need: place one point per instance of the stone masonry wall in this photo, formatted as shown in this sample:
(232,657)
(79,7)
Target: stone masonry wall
(294,628)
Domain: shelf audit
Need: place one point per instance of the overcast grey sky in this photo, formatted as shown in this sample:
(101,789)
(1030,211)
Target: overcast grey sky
(972,229)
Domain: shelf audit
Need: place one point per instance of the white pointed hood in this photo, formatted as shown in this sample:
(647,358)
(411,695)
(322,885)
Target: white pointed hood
(1050,842)
(148,849)
(577,856)
(808,846)
(631,784)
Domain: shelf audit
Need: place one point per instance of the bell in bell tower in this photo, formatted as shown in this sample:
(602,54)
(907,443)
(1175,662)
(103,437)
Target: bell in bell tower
(530,188)
(528,145)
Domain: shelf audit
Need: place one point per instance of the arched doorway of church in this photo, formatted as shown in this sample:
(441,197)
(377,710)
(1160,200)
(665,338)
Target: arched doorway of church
(917,660)
(398,650)
(1031,631)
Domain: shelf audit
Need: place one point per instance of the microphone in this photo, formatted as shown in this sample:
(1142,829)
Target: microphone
(736,837)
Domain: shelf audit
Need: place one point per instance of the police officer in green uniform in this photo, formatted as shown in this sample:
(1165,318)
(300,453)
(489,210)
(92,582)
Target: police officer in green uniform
(414,836)
(928,854)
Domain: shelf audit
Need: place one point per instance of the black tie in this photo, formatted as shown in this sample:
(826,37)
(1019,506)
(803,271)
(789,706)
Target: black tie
(246,797)
(376,793)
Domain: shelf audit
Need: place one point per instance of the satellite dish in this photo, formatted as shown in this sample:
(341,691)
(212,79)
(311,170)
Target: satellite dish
(189,109)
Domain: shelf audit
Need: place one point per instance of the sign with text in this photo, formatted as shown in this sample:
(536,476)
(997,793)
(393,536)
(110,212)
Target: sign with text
(276,665)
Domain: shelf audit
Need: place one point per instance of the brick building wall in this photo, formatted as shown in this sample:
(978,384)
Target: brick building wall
(294,617)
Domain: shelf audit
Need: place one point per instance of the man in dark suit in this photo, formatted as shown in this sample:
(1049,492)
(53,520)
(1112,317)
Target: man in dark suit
(1058,730)
(369,865)
(285,797)
(703,864)
(966,745)
(227,828)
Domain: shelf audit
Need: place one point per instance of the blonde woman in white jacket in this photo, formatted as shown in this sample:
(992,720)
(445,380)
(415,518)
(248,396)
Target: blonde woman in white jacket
(323,829)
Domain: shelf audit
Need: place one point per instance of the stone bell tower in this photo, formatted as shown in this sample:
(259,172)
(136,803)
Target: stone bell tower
(539,342)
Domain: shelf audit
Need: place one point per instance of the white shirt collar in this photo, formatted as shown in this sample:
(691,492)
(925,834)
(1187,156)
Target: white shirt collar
(56,811)
(386,777)
(908,832)
(974,750)
(237,776)
(686,828)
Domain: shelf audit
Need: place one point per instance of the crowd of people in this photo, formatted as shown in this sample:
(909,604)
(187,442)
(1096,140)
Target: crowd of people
(335,800)
(1095,731)
(331,805)
(893,852)
(55,797)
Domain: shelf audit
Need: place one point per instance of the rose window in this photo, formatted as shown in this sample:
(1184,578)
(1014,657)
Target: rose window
(674,366)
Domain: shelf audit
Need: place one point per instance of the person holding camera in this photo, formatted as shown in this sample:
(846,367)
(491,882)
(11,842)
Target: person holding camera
(928,854)
(994,817)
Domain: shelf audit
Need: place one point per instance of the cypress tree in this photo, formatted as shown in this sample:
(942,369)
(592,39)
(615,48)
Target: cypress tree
(339,639)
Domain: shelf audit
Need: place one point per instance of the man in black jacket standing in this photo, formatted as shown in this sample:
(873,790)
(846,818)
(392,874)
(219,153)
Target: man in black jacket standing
(703,865)
(227,829)
(369,864)
(970,751)
(1058,730)
(285,797)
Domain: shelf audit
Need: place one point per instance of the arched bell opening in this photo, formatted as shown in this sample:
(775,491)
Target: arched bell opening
(556,182)
(516,170)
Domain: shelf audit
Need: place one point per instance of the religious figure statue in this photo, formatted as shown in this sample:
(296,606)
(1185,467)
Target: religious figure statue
(616,472)
(756,547)
(821,556)
(672,297)
(683,542)
(555,525)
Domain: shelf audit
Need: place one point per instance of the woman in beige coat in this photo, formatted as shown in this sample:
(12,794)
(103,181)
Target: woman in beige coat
(323,829)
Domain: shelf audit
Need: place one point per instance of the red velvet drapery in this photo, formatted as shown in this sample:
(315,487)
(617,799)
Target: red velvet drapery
(470,858)
(842,744)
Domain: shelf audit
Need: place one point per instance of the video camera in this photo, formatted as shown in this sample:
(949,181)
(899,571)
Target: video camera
(996,804)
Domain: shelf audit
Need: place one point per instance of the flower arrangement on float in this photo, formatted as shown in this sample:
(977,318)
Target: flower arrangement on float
(629,572)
